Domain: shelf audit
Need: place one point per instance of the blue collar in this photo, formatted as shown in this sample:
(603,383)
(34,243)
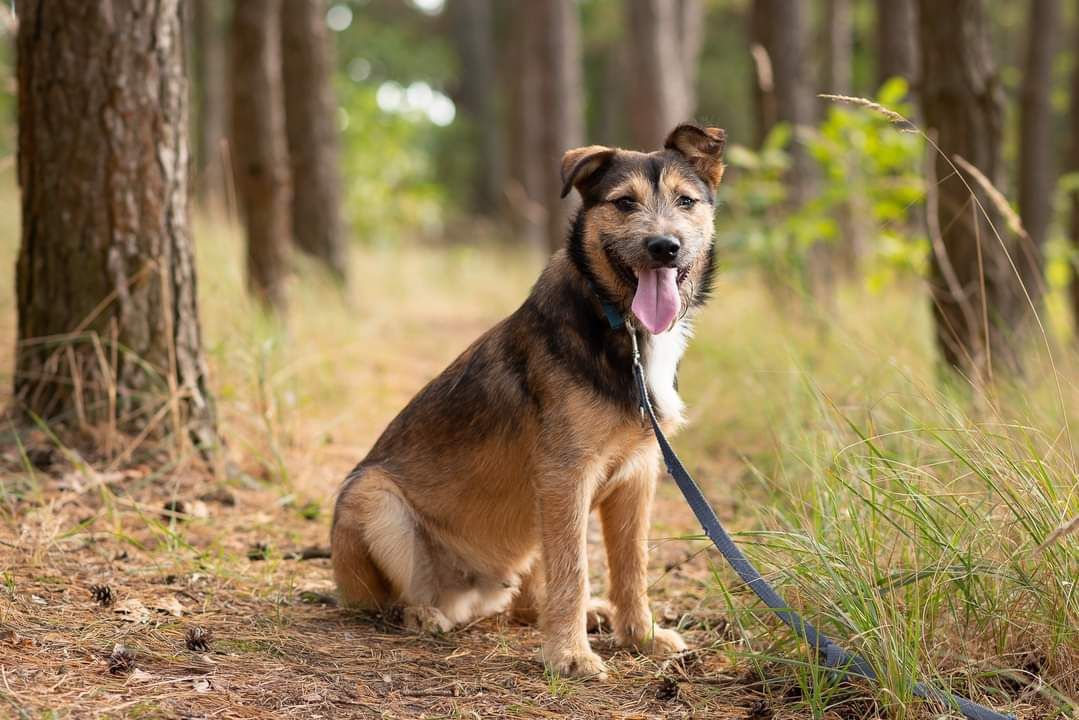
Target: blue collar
(614,318)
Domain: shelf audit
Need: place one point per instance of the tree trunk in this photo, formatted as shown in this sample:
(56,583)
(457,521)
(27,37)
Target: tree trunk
(211,101)
(311,125)
(260,163)
(760,50)
(659,92)
(525,191)
(1036,177)
(838,47)
(476,96)
(561,104)
(1073,167)
(897,54)
(787,38)
(108,330)
(973,289)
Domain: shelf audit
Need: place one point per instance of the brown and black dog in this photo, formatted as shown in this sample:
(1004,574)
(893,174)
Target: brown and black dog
(478,493)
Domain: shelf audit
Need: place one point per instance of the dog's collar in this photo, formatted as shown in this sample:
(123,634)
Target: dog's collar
(614,318)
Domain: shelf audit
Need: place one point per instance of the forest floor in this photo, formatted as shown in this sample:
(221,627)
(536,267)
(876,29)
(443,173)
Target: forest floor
(186,554)
(216,558)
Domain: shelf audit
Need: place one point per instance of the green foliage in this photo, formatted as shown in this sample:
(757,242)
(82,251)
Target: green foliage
(867,172)
(390,187)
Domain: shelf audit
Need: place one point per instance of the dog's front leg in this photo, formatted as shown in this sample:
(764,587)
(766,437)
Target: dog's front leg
(564,499)
(625,514)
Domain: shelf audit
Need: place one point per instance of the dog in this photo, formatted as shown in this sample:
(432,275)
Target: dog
(476,497)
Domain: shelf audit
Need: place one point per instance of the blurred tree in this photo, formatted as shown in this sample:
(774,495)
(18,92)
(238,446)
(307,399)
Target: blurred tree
(664,47)
(210,63)
(781,32)
(260,162)
(547,99)
(764,90)
(973,288)
(477,97)
(311,131)
(837,41)
(897,40)
(1036,175)
(527,175)
(108,328)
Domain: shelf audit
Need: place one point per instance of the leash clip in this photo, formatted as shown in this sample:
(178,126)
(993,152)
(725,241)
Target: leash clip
(638,371)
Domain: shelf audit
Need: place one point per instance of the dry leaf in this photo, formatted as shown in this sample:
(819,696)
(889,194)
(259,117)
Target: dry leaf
(168,604)
(132,610)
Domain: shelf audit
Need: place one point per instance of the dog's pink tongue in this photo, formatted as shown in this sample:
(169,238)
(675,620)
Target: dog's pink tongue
(656,302)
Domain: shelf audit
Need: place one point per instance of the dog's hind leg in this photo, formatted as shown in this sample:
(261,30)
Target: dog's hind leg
(373,515)
(360,583)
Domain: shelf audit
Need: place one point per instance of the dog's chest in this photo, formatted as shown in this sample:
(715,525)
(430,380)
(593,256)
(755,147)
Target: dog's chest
(661,360)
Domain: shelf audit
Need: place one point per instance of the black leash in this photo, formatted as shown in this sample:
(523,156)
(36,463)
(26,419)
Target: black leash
(832,654)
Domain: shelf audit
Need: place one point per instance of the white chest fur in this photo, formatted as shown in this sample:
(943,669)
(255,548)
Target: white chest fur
(660,368)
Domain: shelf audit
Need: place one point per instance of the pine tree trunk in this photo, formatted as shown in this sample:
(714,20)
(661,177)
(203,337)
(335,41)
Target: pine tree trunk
(897,40)
(476,96)
(1036,177)
(211,101)
(658,92)
(838,47)
(260,162)
(108,329)
(973,289)
(311,123)
(525,192)
(562,105)
(760,50)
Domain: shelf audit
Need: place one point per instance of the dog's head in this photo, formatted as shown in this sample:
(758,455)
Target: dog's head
(643,236)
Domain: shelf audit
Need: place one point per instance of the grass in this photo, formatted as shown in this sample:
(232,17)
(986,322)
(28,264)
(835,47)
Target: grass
(901,514)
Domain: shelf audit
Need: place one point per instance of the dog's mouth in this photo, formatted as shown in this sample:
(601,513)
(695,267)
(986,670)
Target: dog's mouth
(657,297)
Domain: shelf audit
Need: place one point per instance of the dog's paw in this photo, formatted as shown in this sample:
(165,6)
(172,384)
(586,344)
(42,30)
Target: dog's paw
(654,641)
(600,615)
(581,663)
(426,619)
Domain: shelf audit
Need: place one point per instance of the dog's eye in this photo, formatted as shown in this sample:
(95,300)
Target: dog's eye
(685,202)
(625,204)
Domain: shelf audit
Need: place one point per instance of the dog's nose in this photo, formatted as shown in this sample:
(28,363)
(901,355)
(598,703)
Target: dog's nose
(663,248)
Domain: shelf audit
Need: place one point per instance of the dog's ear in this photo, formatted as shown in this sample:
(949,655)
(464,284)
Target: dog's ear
(703,147)
(579,164)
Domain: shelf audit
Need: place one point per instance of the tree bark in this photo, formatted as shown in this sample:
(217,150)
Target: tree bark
(108,329)
(311,130)
(476,96)
(260,163)
(897,54)
(1036,176)
(659,90)
(973,289)
(838,47)
(551,36)
(210,63)
(525,192)
(760,50)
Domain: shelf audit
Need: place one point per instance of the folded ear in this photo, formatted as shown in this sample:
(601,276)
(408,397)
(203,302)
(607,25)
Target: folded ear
(579,164)
(703,147)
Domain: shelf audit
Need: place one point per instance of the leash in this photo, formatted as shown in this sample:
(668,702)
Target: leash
(832,654)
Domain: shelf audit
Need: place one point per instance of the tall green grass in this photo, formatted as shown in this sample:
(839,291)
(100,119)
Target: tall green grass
(899,511)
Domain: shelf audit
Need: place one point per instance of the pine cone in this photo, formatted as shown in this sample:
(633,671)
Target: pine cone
(121,660)
(102,594)
(198,639)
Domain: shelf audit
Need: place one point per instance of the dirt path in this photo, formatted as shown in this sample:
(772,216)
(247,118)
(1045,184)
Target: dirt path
(279,647)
